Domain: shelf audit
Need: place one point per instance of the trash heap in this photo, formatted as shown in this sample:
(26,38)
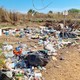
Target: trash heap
(24,63)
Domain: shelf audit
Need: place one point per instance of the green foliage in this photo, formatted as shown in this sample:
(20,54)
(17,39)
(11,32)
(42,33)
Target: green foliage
(74,10)
(50,12)
(31,11)
(1,45)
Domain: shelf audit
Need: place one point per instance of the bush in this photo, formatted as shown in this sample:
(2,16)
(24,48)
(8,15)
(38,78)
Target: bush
(1,45)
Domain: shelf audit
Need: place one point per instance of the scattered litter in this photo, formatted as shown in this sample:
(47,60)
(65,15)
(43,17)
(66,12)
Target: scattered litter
(23,59)
(54,58)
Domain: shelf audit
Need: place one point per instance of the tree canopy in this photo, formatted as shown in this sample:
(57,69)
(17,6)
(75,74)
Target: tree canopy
(74,10)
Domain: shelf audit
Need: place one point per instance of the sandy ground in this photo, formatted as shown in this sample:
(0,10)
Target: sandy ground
(66,69)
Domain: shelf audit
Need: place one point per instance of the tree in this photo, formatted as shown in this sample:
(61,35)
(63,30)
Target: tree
(74,11)
(50,12)
(31,11)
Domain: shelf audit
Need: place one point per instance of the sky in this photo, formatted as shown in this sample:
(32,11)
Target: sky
(54,5)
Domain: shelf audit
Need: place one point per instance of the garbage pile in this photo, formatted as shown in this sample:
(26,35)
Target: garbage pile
(23,63)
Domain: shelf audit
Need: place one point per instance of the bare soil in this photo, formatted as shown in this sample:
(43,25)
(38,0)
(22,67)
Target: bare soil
(66,69)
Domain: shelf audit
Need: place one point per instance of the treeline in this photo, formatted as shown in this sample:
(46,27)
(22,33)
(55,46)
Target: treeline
(14,17)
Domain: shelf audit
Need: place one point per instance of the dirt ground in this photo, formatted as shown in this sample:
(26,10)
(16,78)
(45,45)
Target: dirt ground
(67,65)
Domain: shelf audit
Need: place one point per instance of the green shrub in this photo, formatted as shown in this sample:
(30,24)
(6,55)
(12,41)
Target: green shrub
(1,45)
